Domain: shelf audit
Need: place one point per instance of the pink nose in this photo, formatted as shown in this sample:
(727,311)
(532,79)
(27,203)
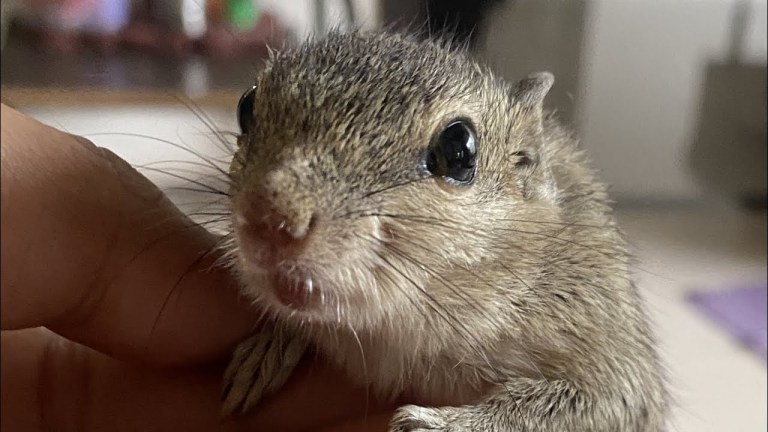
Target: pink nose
(276,228)
(280,209)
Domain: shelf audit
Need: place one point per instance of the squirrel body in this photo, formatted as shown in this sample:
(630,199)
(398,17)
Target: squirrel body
(434,231)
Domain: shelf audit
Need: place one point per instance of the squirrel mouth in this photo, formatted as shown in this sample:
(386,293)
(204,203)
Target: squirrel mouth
(297,293)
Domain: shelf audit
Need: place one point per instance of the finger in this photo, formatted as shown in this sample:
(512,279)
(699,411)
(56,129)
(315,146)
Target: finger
(49,383)
(93,250)
(317,396)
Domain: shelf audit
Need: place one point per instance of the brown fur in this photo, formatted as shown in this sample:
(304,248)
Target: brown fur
(506,305)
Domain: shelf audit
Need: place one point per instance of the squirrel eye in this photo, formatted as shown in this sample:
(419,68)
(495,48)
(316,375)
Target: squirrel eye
(453,152)
(245,110)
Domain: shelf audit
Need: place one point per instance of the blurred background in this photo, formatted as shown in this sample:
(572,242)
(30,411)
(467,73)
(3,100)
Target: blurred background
(668,96)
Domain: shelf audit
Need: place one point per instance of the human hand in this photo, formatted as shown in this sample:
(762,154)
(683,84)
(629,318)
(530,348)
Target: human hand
(113,317)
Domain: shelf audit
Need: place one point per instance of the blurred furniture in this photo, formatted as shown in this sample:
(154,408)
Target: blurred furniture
(729,155)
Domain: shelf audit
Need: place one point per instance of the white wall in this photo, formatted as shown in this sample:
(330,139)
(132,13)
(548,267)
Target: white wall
(643,65)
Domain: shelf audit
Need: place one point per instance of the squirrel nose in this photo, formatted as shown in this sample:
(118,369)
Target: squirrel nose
(278,227)
(281,207)
(295,228)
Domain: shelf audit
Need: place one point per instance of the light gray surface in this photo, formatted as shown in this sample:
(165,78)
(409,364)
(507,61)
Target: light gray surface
(718,385)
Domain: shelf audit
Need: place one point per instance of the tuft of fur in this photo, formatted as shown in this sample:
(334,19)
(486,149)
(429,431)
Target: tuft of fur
(505,305)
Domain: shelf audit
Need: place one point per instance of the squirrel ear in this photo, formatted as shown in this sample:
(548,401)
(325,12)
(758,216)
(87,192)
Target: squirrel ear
(531,91)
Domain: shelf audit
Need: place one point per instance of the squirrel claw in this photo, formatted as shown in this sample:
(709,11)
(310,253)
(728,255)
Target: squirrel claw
(413,418)
(260,365)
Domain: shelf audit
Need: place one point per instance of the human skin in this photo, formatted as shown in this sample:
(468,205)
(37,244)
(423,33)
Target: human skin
(111,320)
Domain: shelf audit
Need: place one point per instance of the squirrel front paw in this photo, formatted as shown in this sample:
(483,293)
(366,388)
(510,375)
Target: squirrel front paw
(413,418)
(260,365)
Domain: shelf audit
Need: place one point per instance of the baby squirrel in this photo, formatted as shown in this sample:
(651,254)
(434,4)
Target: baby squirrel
(435,232)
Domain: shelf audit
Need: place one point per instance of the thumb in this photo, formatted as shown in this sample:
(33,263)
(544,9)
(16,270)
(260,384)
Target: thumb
(94,251)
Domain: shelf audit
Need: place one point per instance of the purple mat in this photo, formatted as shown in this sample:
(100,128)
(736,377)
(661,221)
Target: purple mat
(742,312)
